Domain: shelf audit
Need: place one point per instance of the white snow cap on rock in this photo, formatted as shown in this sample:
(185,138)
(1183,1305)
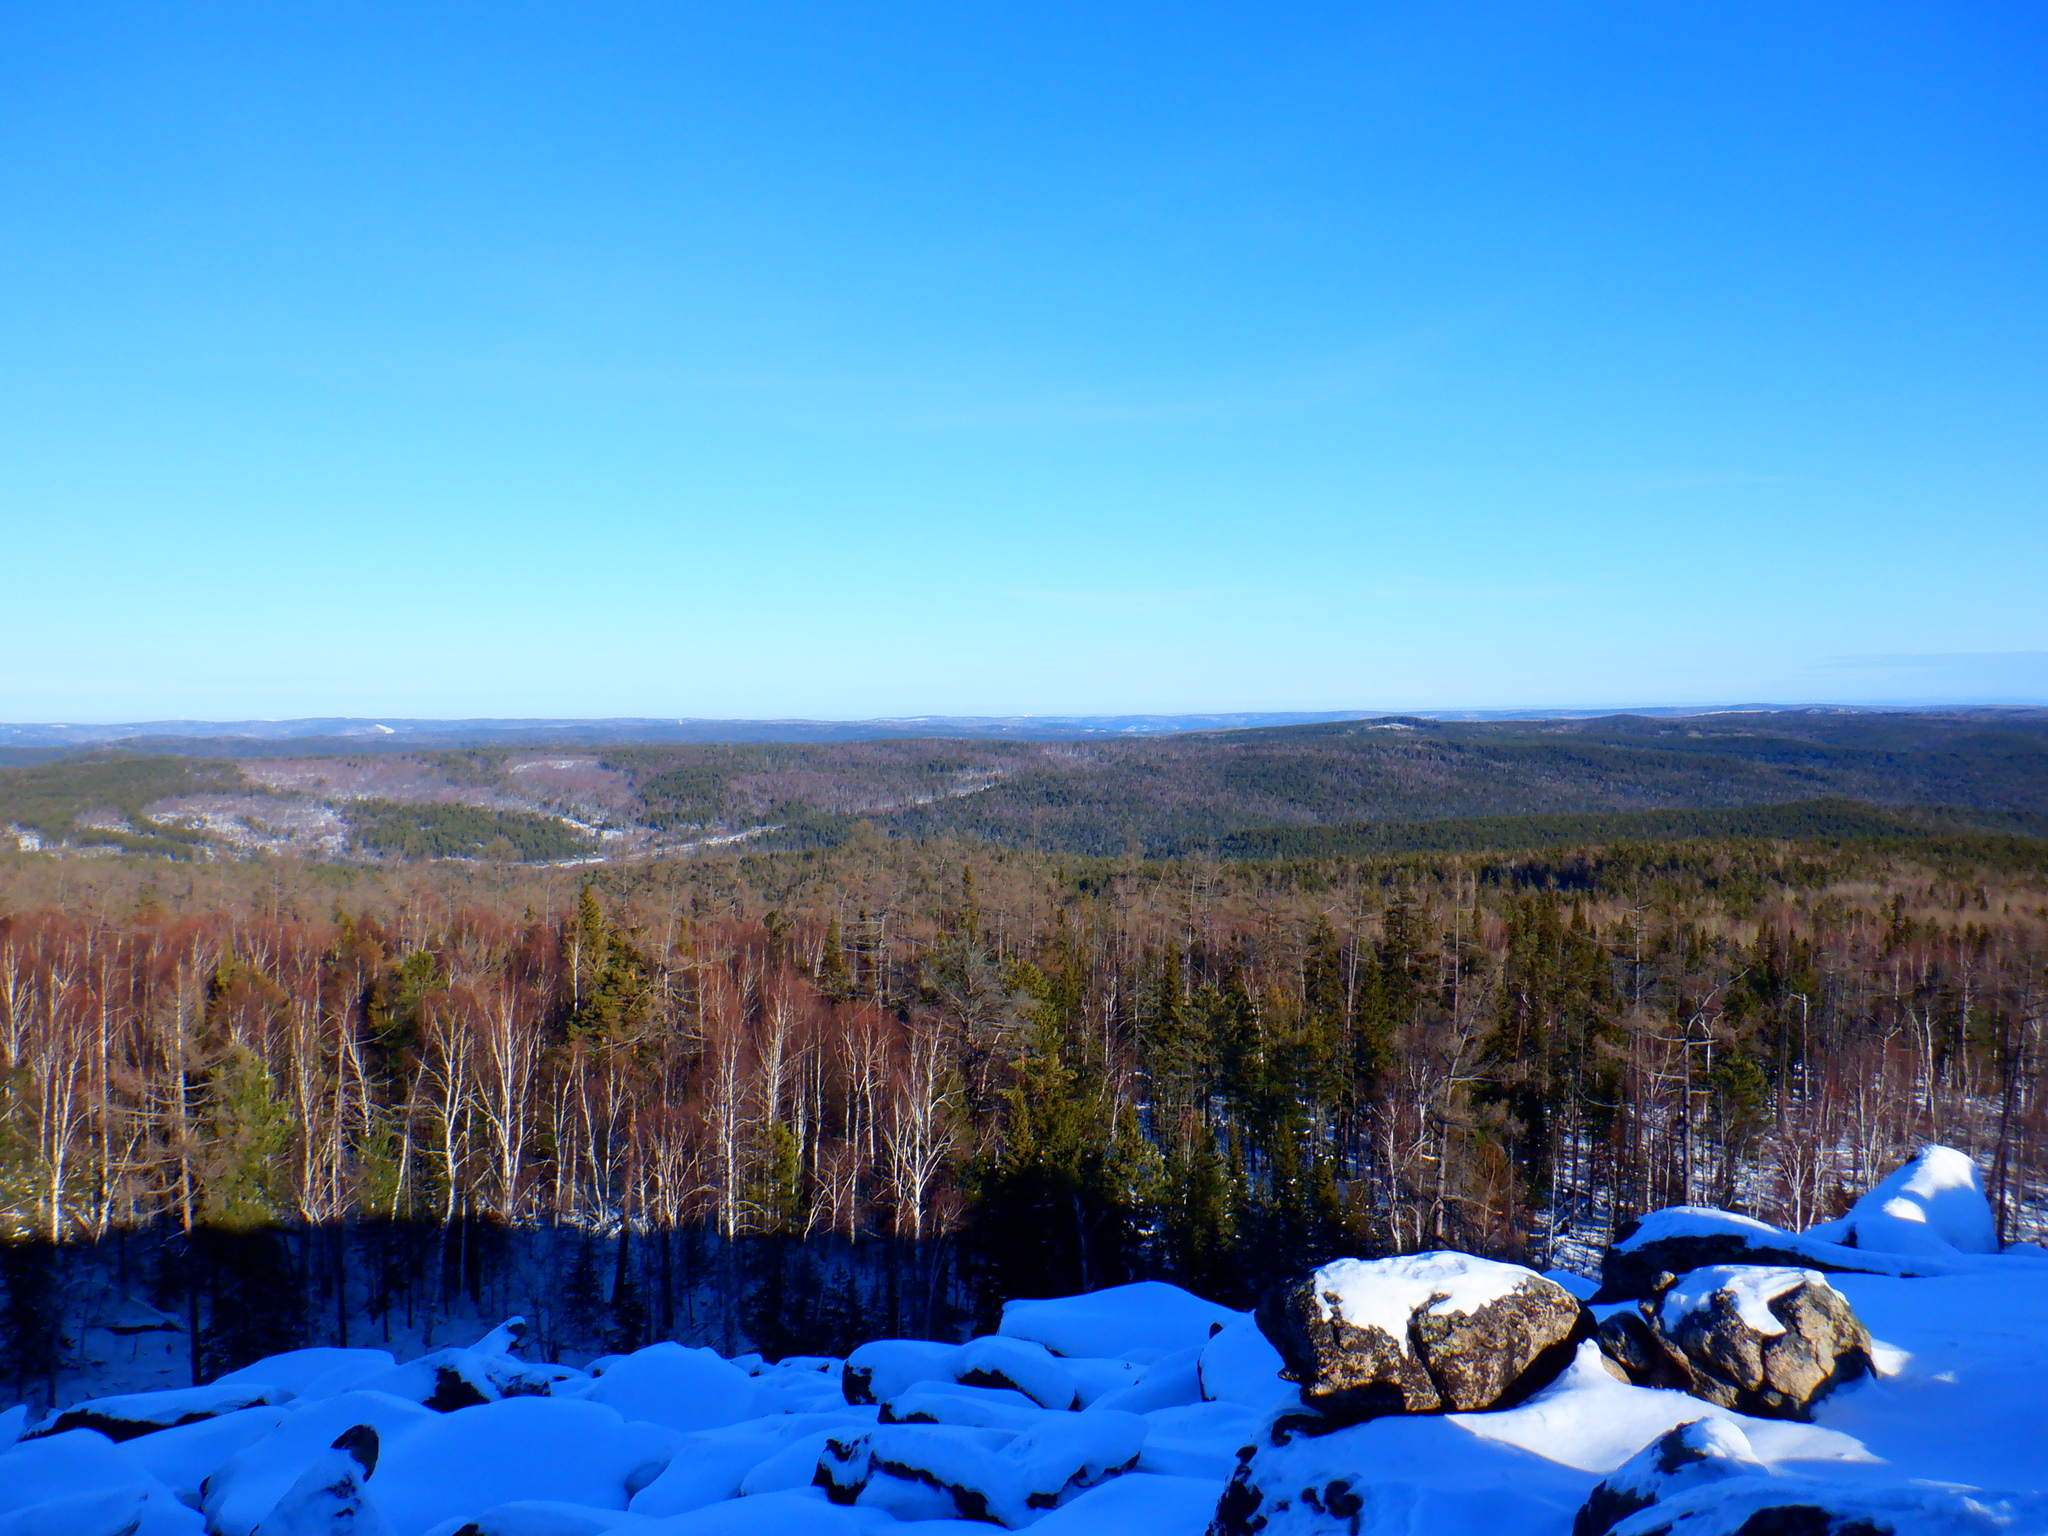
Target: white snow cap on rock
(1753,1286)
(1385,1293)
(1934,1204)
(1149,1315)
(1708,1450)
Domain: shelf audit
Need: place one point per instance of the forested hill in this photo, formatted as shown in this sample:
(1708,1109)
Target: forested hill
(1360,787)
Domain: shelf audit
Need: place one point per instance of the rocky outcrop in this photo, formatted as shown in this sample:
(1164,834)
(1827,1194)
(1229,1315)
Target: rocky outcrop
(1428,1333)
(1762,1340)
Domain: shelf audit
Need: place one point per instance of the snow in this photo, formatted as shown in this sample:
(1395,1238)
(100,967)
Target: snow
(80,1483)
(885,1367)
(995,1361)
(314,1372)
(1386,1293)
(709,1466)
(1197,1440)
(1166,1383)
(1725,1508)
(1119,1320)
(1141,1504)
(246,1486)
(931,1470)
(184,1457)
(136,1413)
(683,1388)
(1917,1246)
(983,1407)
(1240,1365)
(521,1448)
(1933,1205)
(1751,1287)
(1078,1419)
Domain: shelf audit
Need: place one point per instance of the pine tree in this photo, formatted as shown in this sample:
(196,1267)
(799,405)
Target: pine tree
(249,1130)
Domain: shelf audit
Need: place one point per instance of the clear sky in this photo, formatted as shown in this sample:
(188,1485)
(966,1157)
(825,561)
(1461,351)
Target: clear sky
(869,358)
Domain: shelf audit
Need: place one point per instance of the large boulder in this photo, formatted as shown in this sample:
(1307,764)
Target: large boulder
(1934,1205)
(1766,1341)
(1689,1456)
(1426,1333)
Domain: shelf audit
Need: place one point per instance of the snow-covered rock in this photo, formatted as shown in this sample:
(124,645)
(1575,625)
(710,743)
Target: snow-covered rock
(1427,1333)
(1137,1504)
(1687,1457)
(1169,1382)
(683,1388)
(80,1483)
(884,1367)
(545,1517)
(182,1459)
(448,1379)
(1770,1342)
(248,1485)
(955,1403)
(1418,1474)
(1198,1439)
(1935,1204)
(1681,1238)
(1240,1365)
(328,1498)
(1805,1506)
(140,1413)
(314,1372)
(1149,1315)
(709,1466)
(788,1513)
(462,1463)
(979,1474)
(994,1361)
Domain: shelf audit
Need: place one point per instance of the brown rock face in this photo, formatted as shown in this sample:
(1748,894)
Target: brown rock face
(1779,1375)
(1454,1351)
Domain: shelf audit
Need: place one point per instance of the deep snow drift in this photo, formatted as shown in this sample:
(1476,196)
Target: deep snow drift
(1134,1411)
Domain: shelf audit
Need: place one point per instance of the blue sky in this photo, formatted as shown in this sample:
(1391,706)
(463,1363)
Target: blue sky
(840,360)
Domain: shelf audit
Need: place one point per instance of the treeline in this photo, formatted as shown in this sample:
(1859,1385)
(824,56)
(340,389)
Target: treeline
(1036,1076)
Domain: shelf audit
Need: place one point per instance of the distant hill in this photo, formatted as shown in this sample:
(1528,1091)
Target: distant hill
(1385,784)
(335,734)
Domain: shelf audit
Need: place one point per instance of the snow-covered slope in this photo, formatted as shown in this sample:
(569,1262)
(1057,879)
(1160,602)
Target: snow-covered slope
(1139,1411)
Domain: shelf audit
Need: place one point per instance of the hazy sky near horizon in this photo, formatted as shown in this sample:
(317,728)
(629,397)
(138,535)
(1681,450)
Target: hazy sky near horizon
(842,360)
